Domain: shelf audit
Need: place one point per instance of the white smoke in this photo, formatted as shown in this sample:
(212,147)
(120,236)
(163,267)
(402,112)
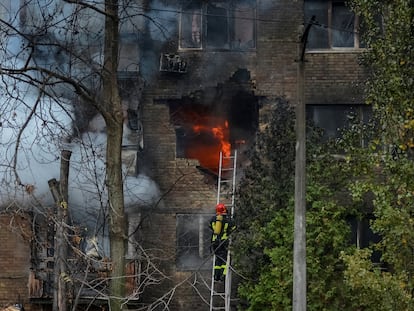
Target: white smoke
(32,135)
(34,129)
(163,21)
(38,144)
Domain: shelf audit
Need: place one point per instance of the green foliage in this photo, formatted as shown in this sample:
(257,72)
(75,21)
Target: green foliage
(388,32)
(263,246)
(372,289)
(387,172)
(381,185)
(265,192)
(375,177)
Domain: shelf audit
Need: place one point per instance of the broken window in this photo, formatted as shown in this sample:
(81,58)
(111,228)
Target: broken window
(214,120)
(193,242)
(218,25)
(244,21)
(191,26)
(336,25)
(217,28)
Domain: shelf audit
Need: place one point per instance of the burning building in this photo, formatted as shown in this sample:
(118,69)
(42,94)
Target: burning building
(196,78)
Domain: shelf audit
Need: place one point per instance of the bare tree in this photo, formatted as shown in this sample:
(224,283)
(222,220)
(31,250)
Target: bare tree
(59,72)
(65,51)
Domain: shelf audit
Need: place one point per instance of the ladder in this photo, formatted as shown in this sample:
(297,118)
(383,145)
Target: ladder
(220,293)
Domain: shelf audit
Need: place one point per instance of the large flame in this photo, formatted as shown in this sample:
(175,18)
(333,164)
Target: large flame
(213,139)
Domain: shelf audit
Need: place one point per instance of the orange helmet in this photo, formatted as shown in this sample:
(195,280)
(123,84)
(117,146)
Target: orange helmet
(221,209)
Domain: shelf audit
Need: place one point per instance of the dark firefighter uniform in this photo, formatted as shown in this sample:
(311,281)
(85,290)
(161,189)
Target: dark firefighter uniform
(221,225)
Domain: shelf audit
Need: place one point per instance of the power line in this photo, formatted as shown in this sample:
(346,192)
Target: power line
(201,13)
(316,23)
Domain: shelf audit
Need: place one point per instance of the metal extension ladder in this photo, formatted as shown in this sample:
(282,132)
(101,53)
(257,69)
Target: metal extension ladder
(220,293)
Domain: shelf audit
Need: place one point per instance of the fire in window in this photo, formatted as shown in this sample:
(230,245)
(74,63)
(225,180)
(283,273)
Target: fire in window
(201,135)
(213,120)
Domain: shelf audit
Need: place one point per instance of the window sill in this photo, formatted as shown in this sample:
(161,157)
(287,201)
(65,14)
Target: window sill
(216,50)
(335,50)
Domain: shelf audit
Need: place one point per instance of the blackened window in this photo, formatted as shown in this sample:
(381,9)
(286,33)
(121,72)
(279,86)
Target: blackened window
(336,25)
(218,25)
(217,30)
(362,235)
(332,118)
(191,26)
(193,242)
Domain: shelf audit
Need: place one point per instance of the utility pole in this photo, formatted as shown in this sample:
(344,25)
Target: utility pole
(299,244)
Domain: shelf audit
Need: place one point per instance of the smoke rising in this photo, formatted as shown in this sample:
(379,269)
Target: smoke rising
(33,132)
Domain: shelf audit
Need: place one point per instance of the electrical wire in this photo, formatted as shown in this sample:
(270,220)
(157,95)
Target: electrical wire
(174,11)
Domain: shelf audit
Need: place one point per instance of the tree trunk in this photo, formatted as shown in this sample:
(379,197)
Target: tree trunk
(60,195)
(113,115)
(64,185)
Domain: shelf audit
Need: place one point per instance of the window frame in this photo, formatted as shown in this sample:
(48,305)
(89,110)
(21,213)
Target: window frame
(197,254)
(231,8)
(323,111)
(330,28)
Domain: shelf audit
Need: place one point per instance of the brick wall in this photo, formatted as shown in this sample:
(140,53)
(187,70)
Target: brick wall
(273,70)
(330,78)
(15,235)
(277,37)
(333,78)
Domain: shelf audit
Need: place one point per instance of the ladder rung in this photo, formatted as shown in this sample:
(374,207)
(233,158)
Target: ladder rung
(224,181)
(219,294)
(227,169)
(218,298)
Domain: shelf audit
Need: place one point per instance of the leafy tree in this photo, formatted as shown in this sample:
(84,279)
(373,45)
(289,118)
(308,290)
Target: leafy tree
(388,33)
(264,242)
(374,177)
(384,170)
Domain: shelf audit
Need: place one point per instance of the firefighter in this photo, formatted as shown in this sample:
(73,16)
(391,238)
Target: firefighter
(221,225)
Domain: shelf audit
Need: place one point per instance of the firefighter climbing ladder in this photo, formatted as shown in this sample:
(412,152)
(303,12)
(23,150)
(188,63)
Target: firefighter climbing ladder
(219,293)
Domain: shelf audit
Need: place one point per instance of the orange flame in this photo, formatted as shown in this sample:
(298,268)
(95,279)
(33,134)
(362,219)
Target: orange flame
(208,153)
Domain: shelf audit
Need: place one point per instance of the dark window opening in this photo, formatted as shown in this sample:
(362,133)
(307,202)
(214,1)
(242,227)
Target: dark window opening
(218,25)
(193,242)
(318,35)
(343,21)
(336,25)
(332,118)
(363,236)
